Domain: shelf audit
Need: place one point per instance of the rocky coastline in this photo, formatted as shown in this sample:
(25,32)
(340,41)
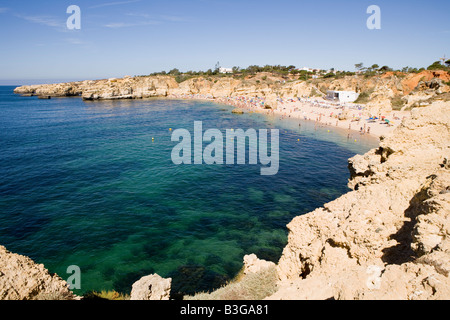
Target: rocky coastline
(388,238)
(383,92)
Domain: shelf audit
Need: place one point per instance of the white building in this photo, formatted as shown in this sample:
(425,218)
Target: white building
(225,70)
(342,96)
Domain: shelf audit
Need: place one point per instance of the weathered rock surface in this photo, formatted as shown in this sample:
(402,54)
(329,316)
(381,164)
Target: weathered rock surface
(254,265)
(389,238)
(151,287)
(23,279)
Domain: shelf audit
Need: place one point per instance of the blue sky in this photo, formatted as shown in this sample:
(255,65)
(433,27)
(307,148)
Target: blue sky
(137,37)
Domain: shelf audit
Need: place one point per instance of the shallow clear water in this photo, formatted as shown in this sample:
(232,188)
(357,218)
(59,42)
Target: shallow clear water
(82,183)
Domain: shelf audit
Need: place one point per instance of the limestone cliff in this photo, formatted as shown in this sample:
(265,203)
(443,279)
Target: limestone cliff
(23,279)
(389,238)
(383,91)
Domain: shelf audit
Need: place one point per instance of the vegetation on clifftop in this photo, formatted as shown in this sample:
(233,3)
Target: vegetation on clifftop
(292,72)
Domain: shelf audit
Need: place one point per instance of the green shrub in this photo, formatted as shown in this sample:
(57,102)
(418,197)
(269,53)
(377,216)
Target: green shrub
(54,296)
(397,103)
(323,89)
(180,78)
(438,66)
(106,295)
(364,97)
(314,93)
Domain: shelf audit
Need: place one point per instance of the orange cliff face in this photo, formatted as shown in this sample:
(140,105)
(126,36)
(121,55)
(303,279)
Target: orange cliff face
(412,80)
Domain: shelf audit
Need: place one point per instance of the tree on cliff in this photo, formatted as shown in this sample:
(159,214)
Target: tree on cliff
(385,69)
(437,65)
(375,66)
(359,66)
(174,72)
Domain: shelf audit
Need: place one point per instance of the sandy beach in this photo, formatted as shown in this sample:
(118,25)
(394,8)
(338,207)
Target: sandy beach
(352,117)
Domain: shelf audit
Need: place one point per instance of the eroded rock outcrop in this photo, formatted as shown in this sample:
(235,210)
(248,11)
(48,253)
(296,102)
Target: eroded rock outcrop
(152,287)
(389,238)
(252,264)
(23,279)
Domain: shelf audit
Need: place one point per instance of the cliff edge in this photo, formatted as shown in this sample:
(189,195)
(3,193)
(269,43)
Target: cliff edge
(23,279)
(389,237)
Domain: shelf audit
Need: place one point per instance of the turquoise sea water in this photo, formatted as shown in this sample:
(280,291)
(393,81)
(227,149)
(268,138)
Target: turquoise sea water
(82,183)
